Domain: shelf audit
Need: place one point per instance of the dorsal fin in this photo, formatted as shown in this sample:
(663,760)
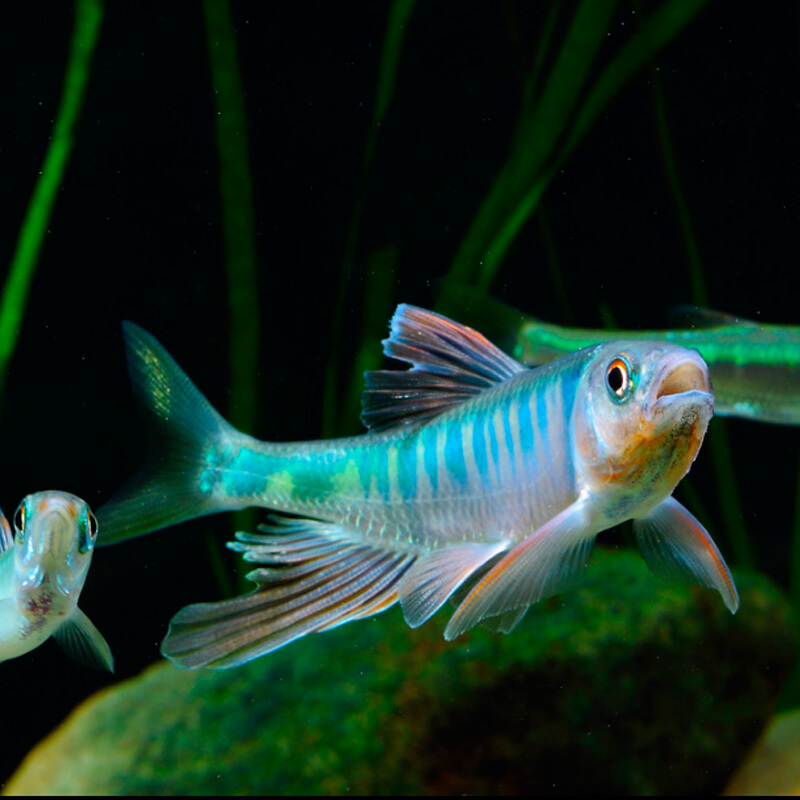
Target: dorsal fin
(449,364)
(685,316)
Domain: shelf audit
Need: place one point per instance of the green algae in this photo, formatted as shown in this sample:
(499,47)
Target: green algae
(627,684)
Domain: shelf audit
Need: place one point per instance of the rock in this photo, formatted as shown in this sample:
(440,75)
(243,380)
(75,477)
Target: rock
(773,766)
(626,686)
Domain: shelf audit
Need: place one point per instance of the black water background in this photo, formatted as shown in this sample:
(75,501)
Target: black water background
(136,234)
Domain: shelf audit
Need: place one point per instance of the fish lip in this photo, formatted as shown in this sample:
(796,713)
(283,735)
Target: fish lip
(683,383)
(57,535)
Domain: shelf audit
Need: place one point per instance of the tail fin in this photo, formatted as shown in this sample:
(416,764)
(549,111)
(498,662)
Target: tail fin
(180,426)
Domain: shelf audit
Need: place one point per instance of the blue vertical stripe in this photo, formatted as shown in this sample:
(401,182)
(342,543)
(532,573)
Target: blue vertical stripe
(492,439)
(479,447)
(382,471)
(454,454)
(508,437)
(429,440)
(525,426)
(407,468)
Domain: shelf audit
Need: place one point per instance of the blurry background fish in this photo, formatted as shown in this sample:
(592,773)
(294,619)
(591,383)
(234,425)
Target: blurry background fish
(368,161)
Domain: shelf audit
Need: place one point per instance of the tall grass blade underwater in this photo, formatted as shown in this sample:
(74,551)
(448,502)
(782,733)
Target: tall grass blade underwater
(88,17)
(333,421)
(552,124)
(719,442)
(236,205)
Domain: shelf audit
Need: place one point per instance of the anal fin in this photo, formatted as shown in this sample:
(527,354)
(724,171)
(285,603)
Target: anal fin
(316,578)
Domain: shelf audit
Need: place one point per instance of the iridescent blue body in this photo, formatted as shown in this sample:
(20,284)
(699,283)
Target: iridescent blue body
(43,567)
(416,487)
(477,474)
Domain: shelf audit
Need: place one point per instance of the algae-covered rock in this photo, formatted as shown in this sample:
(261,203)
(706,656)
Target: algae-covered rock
(625,686)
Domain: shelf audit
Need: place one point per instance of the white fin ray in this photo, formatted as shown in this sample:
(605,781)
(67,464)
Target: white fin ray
(450,363)
(505,622)
(547,562)
(6,534)
(316,580)
(677,547)
(81,640)
(434,578)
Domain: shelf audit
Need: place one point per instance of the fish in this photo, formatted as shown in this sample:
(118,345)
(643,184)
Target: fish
(755,367)
(479,480)
(43,567)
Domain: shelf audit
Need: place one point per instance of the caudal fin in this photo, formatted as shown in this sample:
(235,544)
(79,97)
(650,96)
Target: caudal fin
(181,425)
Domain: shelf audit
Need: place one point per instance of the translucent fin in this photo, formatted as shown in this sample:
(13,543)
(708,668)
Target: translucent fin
(180,425)
(677,547)
(546,563)
(684,316)
(432,579)
(505,622)
(450,363)
(6,536)
(496,320)
(315,580)
(81,640)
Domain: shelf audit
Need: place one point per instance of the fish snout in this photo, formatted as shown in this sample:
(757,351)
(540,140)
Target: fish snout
(51,529)
(682,384)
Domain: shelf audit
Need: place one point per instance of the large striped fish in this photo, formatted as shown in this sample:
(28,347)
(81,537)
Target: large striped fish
(479,478)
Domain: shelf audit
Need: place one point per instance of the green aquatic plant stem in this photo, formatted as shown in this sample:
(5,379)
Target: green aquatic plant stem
(549,131)
(521,181)
(236,206)
(396,26)
(666,22)
(794,558)
(236,197)
(378,282)
(719,442)
(698,284)
(88,17)
(533,81)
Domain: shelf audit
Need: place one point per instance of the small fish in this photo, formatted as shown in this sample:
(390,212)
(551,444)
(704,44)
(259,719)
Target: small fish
(479,480)
(43,566)
(755,368)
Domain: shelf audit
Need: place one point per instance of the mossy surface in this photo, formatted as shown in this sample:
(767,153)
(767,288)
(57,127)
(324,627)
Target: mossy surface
(627,686)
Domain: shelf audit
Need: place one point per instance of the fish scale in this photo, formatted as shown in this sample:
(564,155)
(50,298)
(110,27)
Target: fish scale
(479,479)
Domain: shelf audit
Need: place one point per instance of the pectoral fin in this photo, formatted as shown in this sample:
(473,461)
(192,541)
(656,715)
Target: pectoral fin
(677,547)
(550,560)
(82,641)
(6,536)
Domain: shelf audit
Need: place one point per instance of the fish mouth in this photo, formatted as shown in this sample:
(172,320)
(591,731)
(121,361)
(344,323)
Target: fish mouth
(682,385)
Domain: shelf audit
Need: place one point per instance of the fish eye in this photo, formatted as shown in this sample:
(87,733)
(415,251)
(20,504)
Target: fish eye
(19,517)
(88,532)
(619,380)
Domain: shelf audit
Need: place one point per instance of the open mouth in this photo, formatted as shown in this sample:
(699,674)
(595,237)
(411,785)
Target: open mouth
(688,376)
(683,387)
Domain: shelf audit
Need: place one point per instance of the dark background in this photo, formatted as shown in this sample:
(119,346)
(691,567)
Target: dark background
(136,234)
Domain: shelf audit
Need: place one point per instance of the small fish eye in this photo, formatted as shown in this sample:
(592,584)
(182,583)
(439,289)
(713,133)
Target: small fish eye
(619,379)
(19,517)
(88,533)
